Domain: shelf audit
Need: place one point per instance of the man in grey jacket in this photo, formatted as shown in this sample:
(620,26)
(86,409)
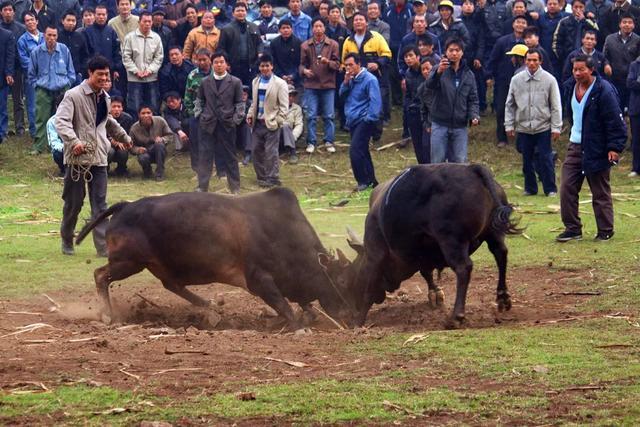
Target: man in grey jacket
(220,108)
(82,122)
(456,96)
(534,110)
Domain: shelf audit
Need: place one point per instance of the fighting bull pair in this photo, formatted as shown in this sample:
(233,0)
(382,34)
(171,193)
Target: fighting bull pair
(427,218)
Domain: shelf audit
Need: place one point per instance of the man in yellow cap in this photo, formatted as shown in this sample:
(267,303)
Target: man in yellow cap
(447,27)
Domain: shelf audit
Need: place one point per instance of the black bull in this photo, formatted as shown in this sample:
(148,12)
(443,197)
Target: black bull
(431,217)
(261,242)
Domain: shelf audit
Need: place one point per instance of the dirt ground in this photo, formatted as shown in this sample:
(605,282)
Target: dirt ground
(164,346)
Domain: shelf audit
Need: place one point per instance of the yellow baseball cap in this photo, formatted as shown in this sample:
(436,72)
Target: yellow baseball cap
(519,50)
(447,3)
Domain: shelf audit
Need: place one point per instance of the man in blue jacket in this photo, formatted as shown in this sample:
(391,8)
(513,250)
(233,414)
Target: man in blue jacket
(362,109)
(598,135)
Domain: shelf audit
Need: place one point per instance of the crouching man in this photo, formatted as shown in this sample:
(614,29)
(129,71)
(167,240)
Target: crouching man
(150,135)
(82,122)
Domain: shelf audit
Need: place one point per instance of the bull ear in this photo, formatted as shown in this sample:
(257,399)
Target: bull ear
(344,261)
(324,260)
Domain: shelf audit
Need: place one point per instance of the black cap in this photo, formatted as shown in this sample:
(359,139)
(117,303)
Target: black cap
(172,94)
(159,12)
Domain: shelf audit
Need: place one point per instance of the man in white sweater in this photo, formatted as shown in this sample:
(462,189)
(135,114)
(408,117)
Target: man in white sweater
(534,112)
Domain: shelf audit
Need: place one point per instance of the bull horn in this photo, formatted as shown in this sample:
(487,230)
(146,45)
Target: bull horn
(353,237)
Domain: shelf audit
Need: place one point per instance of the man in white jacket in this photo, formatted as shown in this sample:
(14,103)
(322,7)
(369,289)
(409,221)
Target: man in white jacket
(534,112)
(142,55)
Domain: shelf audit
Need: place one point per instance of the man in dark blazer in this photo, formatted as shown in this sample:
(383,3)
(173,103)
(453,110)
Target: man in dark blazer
(7,70)
(220,108)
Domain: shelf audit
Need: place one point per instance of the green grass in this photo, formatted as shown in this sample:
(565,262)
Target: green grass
(478,376)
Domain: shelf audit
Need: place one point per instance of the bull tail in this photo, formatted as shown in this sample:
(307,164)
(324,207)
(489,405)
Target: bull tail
(92,224)
(501,220)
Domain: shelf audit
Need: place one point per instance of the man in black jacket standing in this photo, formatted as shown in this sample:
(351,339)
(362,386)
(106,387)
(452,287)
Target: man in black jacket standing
(220,108)
(173,75)
(241,41)
(77,44)
(621,49)
(285,50)
(9,23)
(456,97)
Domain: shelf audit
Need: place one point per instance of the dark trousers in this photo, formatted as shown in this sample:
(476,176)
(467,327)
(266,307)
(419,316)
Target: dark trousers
(572,179)
(120,158)
(143,93)
(361,162)
(73,195)
(500,92)
(394,79)
(17,94)
(221,145)
(416,130)
(537,157)
(386,103)
(194,143)
(155,153)
(58,157)
(481,84)
(635,142)
(623,95)
(266,161)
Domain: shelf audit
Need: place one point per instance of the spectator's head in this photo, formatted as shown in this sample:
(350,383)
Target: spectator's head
(334,14)
(453,50)
(373,11)
(240,11)
(8,11)
(468,7)
(245,93)
(425,44)
(88,16)
(350,4)
(530,36)
(99,71)
(31,22)
(518,8)
(359,23)
(553,6)
(220,62)
(203,60)
(175,55)
(323,10)
(445,9)
(108,84)
(533,59)
(589,39)
(191,14)
(265,65)
(318,28)
(411,56)
(419,24)
(577,8)
(293,92)
(583,66)
(517,54)
(266,8)
(117,106)
(145,115)
(400,3)
(295,6)
(124,8)
(285,28)
(144,25)
(101,15)
(51,36)
(426,65)
(157,18)
(626,23)
(173,100)
(419,7)
(352,64)
(69,21)
(518,24)
(208,20)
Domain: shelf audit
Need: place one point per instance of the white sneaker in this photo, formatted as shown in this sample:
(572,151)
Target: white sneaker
(330,147)
(632,174)
(311,148)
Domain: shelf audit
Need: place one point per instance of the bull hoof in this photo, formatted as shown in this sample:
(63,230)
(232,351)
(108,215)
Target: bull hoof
(436,298)
(106,318)
(308,317)
(504,303)
(455,322)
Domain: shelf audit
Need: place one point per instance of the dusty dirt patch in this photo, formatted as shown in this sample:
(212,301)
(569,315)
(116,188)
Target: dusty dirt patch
(166,347)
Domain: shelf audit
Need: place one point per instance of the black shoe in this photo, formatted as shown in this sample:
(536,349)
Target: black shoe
(159,178)
(67,248)
(102,252)
(361,187)
(565,236)
(20,132)
(603,237)
(11,133)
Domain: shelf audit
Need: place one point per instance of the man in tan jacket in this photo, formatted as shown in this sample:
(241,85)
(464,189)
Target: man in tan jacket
(82,122)
(205,36)
(267,114)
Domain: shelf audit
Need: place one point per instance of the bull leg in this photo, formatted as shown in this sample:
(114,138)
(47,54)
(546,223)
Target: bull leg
(308,315)
(262,285)
(107,274)
(457,257)
(436,294)
(183,292)
(500,251)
